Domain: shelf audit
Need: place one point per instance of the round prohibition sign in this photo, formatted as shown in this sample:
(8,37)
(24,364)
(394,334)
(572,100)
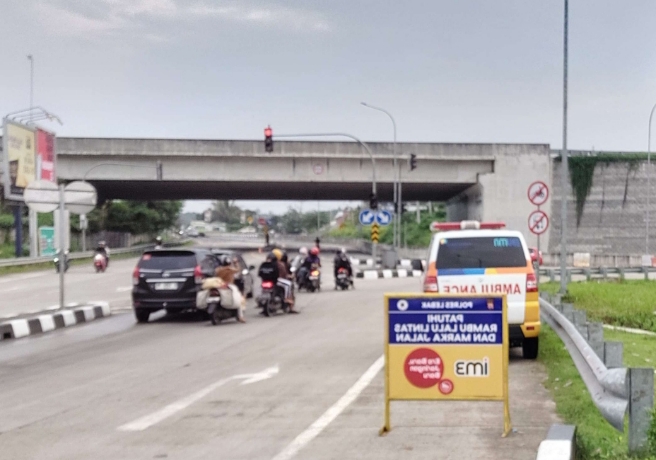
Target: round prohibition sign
(538,222)
(538,193)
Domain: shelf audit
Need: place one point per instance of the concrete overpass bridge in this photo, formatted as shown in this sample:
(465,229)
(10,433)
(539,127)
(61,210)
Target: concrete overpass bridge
(478,181)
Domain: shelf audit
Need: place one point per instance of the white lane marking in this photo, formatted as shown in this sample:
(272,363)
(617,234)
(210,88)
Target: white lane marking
(265,374)
(332,413)
(162,414)
(124,289)
(12,279)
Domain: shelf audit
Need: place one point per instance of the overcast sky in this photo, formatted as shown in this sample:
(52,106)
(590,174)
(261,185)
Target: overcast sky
(449,71)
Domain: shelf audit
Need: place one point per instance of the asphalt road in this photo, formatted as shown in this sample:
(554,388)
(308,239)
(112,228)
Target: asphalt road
(304,386)
(35,291)
(27,292)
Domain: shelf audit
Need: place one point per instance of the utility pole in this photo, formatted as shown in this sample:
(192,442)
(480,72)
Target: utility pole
(33,217)
(564,171)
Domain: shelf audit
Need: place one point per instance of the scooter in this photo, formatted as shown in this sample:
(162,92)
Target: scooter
(216,312)
(343,280)
(66,262)
(271,300)
(99,263)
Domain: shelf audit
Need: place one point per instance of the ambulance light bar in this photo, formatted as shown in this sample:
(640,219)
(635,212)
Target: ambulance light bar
(465,225)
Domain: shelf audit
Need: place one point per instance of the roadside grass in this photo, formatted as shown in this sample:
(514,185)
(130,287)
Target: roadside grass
(596,439)
(628,303)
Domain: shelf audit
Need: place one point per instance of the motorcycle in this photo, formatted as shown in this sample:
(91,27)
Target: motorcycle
(66,262)
(99,263)
(343,280)
(216,312)
(314,279)
(271,299)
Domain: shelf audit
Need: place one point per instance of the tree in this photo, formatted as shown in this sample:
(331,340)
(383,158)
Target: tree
(292,221)
(227,212)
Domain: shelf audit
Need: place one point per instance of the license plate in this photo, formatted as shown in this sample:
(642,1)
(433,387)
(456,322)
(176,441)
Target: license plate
(213,299)
(166,286)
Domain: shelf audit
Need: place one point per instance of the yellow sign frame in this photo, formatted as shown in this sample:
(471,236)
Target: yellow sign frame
(507,428)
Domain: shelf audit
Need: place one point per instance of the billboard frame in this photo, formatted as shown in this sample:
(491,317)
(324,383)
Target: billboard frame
(34,128)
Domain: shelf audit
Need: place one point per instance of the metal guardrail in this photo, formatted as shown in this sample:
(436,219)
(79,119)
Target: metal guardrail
(26,261)
(598,272)
(614,389)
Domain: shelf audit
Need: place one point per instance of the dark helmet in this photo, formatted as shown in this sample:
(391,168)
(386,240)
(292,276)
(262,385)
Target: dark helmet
(224,260)
(271,257)
(284,257)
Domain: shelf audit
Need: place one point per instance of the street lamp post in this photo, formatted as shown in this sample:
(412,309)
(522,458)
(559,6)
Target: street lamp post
(651,115)
(397,185)
(564,171)
(365,146)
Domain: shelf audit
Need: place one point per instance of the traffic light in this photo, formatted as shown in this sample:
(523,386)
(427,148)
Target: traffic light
(268,139)
(373,202)
(413,162)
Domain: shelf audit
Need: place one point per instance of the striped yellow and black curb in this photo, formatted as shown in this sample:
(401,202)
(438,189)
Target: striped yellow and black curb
(48,321)
(377,274)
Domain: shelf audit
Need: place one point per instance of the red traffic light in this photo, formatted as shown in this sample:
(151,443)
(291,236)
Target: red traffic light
(268,132)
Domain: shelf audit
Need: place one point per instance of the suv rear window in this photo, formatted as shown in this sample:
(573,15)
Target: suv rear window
(169,260)
(480,252)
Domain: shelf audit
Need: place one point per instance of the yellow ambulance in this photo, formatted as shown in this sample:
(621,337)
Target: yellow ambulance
(471,257)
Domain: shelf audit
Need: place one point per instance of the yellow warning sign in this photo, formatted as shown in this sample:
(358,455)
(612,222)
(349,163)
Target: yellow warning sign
(375,232)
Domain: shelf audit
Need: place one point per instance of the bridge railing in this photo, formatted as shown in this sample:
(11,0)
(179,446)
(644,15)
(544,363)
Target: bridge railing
(615,390)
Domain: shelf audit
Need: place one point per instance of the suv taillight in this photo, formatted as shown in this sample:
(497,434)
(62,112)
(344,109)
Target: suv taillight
(430,284)
(531,283)
(198,275)
(135,276)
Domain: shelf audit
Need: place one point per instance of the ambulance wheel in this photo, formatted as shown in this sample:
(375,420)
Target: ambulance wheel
(530,348)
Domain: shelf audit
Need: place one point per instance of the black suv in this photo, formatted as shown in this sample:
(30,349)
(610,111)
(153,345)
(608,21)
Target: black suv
(169,278)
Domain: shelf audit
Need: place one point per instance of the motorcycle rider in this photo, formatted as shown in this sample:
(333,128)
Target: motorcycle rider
(342,261)
(273,270)
(284,280)
(104,251)
(297,264)
(158,243)
(311,259)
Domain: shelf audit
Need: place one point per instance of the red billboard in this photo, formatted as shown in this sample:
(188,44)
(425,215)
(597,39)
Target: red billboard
(45,155)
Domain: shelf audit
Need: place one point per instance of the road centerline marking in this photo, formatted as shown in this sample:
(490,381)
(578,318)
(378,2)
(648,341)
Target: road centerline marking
(332,413)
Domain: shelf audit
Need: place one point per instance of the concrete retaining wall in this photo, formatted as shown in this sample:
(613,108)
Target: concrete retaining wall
(613,219)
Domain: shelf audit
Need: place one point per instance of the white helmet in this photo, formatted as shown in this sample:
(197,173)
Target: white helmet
(343,251)
(303,251)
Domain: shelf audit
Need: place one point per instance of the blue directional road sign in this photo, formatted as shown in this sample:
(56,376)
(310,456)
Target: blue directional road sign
(367,217)
(384,217)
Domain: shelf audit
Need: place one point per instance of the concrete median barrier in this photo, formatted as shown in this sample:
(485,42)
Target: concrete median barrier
(51,320)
